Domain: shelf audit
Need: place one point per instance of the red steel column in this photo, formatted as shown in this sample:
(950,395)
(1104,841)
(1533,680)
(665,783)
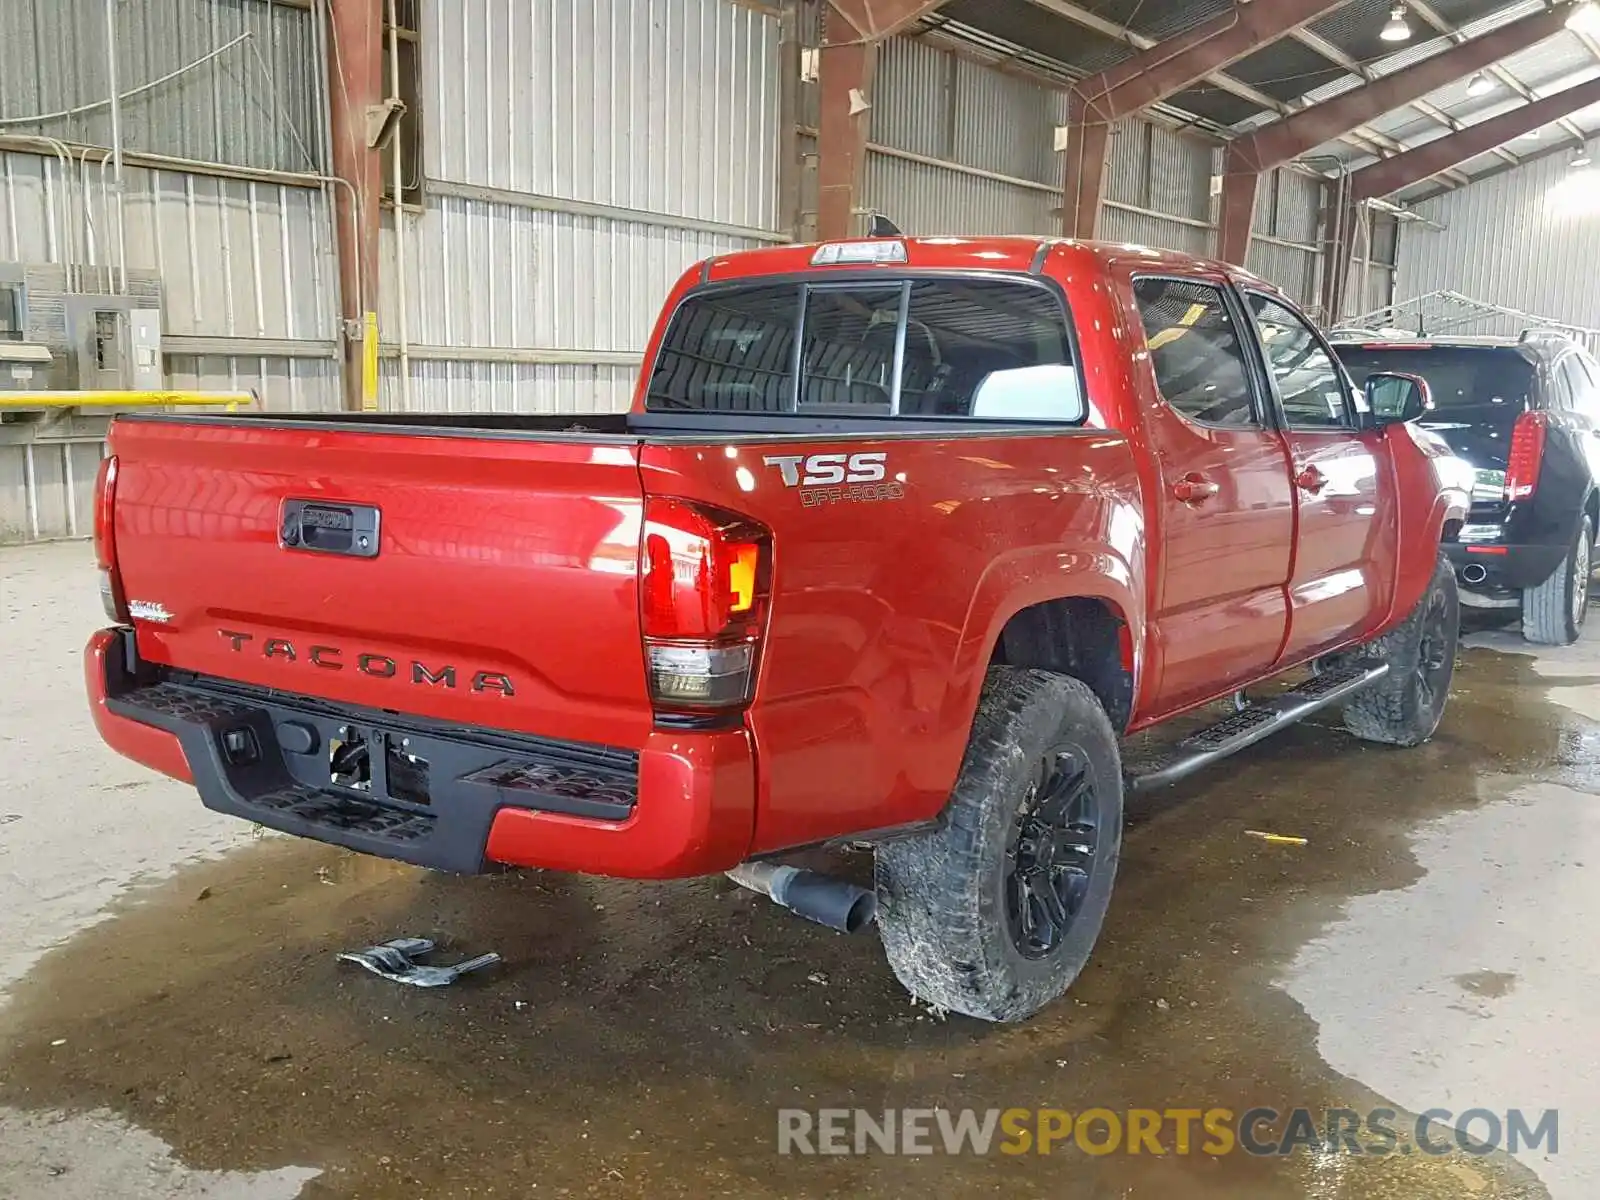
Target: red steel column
(1152,75)
(852,32)
(1088,143)
(1237,213)
(355,47)
(1341,227)
(846,66)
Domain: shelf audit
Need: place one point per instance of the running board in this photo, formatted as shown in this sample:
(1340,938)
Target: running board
(1254,722)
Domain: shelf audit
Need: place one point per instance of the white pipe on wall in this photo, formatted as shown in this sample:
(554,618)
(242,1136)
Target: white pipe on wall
(116,145)
(398,146)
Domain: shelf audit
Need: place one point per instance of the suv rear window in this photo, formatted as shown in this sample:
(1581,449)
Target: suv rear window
(941,347)
(1472,384)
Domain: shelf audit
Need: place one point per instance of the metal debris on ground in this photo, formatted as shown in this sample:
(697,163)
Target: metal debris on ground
(395,960)
(1277,839)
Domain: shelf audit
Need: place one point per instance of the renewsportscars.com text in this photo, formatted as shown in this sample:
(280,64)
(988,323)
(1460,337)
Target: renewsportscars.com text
(1155,1131)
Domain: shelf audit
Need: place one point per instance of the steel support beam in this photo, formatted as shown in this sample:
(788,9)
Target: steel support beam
(356,71)
(875,20)
(1433,158)
(1341,229)
(1430,158)
(1152,75)
(1273,145)
(852,32)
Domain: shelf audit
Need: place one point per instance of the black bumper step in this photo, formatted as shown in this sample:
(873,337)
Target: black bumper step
(428,793)
(1252,723)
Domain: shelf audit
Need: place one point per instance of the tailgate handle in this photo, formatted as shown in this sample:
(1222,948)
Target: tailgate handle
(330,528)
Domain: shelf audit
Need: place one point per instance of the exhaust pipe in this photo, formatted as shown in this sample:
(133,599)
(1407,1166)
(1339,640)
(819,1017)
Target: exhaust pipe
(1474,573)
(835,903)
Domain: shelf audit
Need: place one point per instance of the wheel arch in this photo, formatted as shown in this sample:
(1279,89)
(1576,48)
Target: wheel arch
(1086,637)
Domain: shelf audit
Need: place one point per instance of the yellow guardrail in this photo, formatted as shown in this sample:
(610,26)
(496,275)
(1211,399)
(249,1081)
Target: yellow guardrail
(16,400)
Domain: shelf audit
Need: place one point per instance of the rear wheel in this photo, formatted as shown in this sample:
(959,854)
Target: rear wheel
(995,913)
(1405,706)
(1553,613)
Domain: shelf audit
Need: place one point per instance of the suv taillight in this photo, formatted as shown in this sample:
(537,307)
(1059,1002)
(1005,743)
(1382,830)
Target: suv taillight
(704,580)
(1527,451)
(105,540)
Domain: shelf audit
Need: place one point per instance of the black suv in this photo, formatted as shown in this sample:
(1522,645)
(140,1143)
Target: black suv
(1525,413)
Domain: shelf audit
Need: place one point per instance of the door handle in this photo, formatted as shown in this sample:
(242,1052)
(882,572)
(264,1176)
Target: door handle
(1194,489)
(1310,480)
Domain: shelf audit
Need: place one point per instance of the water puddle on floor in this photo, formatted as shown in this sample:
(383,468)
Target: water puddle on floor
(639,1039)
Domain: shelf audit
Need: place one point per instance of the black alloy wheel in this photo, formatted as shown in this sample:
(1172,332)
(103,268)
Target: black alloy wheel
(1050,857)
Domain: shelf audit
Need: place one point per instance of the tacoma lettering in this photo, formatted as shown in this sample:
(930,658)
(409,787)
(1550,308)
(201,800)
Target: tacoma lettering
(377,666)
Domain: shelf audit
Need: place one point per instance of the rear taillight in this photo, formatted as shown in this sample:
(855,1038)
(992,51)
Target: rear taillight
(1527,451)
(704,581)
(105,540)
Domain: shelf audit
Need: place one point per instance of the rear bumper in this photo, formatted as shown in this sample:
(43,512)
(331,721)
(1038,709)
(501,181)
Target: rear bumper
(682,805)
(1504,566)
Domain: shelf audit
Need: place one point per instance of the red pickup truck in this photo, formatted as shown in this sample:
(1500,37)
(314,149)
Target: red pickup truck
(900,538)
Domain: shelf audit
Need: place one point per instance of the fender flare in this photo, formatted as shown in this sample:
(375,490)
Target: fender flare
(1034,575)
(1411,582)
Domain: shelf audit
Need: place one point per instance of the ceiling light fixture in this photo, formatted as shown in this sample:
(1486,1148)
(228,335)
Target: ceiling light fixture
(1480,85)
(1531,136)
(1397,30)
(1585,18)
(1580,158)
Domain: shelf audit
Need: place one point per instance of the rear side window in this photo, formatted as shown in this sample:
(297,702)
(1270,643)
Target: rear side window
(1195,351)
(944,347)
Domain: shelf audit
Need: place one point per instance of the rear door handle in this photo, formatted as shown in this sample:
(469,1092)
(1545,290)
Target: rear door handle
(1310,480)
(1194,488)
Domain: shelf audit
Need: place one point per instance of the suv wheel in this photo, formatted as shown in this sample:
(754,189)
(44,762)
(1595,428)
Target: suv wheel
(1553,613)
(995,913)
(1405,706)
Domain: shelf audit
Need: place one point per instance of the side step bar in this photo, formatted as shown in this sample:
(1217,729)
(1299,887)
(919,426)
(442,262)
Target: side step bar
(1254,722)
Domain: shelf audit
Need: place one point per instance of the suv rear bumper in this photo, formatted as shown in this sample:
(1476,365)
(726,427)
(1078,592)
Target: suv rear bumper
(682,805)
(1504,566)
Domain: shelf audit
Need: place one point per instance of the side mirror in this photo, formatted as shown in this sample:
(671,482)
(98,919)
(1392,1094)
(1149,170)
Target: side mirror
(1394,397)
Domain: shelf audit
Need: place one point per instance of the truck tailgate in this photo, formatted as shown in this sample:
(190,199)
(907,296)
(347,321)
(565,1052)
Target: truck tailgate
(502,593)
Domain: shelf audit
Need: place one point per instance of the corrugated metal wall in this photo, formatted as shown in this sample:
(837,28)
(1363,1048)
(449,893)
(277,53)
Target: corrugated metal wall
(241,262)
(47,484)
(246,266)
(1549,268)
(1285,245)
(960,147)
(253,104)
(1158,189)
(579,157)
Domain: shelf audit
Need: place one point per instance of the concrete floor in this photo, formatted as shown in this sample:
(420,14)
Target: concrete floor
(175,1024)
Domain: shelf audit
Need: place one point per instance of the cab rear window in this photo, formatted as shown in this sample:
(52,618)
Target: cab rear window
(930,348)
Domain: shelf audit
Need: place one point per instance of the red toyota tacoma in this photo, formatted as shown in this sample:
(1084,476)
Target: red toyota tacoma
(900,538)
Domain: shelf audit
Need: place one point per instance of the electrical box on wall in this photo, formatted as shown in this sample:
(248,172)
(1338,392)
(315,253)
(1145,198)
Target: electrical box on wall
(144,341)
(117,346)
(23,365)
(95,339)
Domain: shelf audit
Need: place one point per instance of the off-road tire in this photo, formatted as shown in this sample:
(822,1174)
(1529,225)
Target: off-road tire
(943,897)
(1553,612)
(1402,708)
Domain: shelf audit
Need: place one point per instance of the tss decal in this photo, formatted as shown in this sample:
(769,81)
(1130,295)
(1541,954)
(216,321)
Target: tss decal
(837,478)
(825,470)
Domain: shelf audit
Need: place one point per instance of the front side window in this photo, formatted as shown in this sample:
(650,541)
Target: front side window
(945,347)
(1310,385)
(1195,351)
